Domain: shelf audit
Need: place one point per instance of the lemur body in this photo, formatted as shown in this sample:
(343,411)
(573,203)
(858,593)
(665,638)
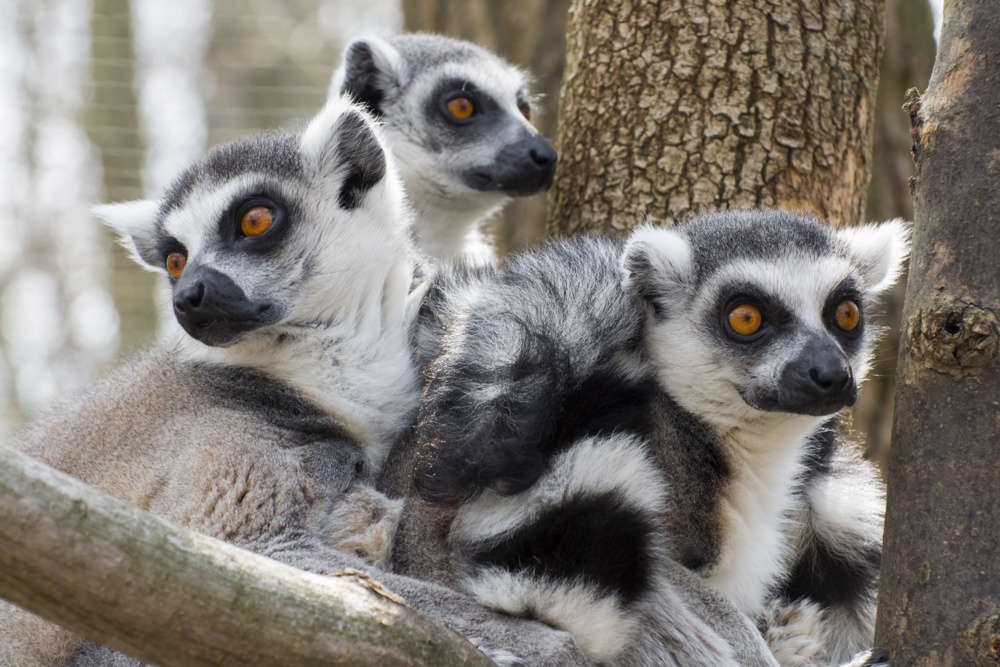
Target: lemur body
(554,391)
(456,118)
(264,422)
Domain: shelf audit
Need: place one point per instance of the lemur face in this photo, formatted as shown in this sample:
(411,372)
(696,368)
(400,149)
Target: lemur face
(457,117)
(763,310)
(272,230)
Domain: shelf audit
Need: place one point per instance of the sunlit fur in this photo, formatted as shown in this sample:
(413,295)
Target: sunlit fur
(432,161)
(593,337)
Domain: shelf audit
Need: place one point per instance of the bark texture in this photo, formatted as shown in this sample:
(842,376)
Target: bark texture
(93,564)
(939,597)
(673,107)
(530,34)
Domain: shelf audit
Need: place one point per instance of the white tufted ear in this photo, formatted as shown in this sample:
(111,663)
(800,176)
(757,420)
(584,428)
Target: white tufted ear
(657,265)
(370,70)
(138,232)
(878,250)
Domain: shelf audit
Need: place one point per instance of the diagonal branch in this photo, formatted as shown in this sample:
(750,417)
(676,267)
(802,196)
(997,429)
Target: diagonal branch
(126,578)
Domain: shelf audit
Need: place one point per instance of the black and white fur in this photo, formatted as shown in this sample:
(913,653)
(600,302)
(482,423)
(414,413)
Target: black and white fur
(264,422)
(586,430)
(457,173)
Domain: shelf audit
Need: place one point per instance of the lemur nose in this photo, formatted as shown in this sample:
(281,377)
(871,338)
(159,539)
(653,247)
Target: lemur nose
(542,154)
(189,298)
(831,378)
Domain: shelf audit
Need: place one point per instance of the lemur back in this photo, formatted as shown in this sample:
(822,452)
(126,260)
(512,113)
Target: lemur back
(264,422)
(581,429)
(457,118)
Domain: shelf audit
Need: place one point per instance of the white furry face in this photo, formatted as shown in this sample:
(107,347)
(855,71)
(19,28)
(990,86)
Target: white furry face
(456,117)
(761,314)
(274,230)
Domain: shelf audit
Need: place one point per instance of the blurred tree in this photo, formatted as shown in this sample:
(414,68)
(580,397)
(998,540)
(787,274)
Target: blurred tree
(113,126)
(267,68)
(939,595)
(672,107)
(530,34)
(907,62)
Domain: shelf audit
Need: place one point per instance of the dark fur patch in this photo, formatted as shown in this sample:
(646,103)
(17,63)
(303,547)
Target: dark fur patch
(362,77)
(275,154)
(599,538)
(831,580)
(819,451)
(475,443)
(360,151)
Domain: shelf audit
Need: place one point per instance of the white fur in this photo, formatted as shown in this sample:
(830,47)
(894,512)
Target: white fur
(597,464)
(879,250)
(133,221)
(597,622)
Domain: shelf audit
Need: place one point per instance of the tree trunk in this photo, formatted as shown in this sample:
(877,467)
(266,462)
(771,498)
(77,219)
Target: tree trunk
(907,62)
(939,597)
(673,107)
(530,34)
(113,126)
(111,572)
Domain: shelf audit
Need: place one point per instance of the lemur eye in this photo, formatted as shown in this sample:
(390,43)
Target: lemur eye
(745,319)
(847,316)
(176,261)
(256,221)
(525,110)
(461,108)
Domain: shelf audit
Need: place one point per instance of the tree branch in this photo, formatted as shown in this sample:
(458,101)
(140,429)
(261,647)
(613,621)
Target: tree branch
(128,579)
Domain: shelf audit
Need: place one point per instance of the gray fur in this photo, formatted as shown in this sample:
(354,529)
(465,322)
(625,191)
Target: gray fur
(456,174)
(534,362)
(269,434)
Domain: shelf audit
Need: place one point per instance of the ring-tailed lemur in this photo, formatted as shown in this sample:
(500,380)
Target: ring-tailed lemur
(457,119)
(289,262)
(584,431)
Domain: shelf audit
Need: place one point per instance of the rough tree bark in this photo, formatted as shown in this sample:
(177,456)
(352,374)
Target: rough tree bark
(113,126)
(939,597)
(531,34)
(672,107)
(93,563)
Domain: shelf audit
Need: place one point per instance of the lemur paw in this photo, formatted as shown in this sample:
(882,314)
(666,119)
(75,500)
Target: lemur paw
(500,656)
(876,657)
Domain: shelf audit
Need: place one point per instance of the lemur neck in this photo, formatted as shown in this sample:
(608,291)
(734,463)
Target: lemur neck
(444,229)
(765,461)
(355,365)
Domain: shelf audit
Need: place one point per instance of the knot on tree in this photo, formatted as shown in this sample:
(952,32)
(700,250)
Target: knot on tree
(954,336)
(981,641)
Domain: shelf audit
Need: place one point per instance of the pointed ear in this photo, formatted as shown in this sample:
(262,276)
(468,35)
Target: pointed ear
(657,265)
(879,251)
(344,141)
(137,228)
(371,68)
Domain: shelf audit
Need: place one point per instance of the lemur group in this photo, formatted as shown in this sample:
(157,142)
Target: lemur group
(606,451)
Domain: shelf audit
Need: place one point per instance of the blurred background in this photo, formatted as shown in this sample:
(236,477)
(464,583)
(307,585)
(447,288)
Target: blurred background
(108,100)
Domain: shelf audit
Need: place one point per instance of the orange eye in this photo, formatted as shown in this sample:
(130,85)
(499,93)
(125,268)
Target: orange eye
(848,315)
(526,111)
(745,319)
(461,108)
(256,221)
(176,261)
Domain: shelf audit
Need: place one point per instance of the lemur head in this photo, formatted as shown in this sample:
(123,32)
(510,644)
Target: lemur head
(276,231)
(457,117)
(762,313)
